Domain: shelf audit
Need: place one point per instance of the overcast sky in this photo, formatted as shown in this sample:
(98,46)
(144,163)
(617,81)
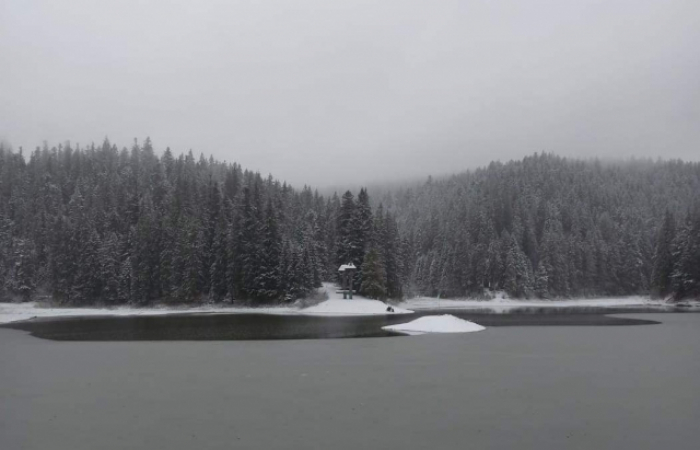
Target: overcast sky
(327,92)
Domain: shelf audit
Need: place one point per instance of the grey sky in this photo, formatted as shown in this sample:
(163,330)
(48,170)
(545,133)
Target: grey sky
(328,92)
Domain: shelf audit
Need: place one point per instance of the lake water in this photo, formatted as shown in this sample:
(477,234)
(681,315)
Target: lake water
(519,387)
(271,326)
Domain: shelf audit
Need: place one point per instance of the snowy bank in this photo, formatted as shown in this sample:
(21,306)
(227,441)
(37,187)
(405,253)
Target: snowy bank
(504,304)
(435,324)
(354,307)
(358,306)
(12,312)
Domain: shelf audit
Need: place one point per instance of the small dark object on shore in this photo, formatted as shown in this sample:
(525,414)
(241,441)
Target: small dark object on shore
(389,309)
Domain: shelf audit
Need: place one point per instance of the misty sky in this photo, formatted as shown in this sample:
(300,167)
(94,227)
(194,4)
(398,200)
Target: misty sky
(326,92)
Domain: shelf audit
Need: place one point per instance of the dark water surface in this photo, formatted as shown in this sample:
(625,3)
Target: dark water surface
(207,327)
(507,387)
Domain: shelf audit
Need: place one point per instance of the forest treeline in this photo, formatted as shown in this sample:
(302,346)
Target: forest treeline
(549,227)
(101,225)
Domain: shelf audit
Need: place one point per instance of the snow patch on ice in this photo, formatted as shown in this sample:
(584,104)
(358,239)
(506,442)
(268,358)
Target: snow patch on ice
(445,323)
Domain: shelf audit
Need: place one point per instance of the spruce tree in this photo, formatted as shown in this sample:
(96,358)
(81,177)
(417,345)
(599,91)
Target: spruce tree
(269,280)
(373,276)
(347,245)
(686,254)
(663,257)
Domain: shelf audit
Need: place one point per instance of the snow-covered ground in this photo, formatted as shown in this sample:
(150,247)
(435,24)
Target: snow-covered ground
(445,323)
(336,306)
(501,304)
(356,306)
(12,312)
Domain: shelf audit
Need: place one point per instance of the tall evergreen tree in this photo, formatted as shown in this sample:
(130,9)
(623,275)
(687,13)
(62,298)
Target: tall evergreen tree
(686,252)
(663,257)
(269,282)
(347,245)
(374,276)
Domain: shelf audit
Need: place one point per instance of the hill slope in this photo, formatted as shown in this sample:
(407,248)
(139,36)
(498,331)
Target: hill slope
(551,227)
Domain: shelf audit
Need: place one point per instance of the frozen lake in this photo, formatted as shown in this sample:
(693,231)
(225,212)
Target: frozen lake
(292,326)
(522,387)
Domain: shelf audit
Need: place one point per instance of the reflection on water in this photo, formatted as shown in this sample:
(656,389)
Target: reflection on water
(190,327)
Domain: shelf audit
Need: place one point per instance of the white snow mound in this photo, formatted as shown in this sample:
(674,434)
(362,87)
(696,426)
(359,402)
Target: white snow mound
(358,306)
(445,323)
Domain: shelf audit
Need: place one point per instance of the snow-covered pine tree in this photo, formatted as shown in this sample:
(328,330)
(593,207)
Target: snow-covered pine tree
(374,276)
(686,253)
(218,282)
(517,282)
(347,245)
(663,257)
(362,232)
(269,279)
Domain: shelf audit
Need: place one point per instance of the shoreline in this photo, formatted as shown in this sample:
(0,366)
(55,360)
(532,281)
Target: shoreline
(16,312)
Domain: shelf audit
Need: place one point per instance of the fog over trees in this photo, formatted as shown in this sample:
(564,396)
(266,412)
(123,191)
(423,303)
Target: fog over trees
(101,225)
(553,227)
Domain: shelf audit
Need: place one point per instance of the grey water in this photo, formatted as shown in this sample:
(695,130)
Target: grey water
(522,387)
(188,327)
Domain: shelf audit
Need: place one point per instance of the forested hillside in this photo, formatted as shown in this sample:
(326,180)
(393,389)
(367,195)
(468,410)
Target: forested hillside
(551,227)
(110,226)
(102,225)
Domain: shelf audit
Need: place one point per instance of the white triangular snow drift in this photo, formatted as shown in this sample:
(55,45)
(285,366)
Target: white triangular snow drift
(445,323)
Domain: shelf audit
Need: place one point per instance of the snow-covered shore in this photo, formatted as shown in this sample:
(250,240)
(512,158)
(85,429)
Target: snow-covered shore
(505,305)
(13,312)
(354,307)
(333,306)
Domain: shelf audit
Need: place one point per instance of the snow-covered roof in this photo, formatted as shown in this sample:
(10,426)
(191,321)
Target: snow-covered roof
(345,267)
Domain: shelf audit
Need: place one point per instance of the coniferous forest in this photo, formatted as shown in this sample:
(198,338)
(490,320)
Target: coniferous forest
(100,225)
(550,227)
(109,226)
